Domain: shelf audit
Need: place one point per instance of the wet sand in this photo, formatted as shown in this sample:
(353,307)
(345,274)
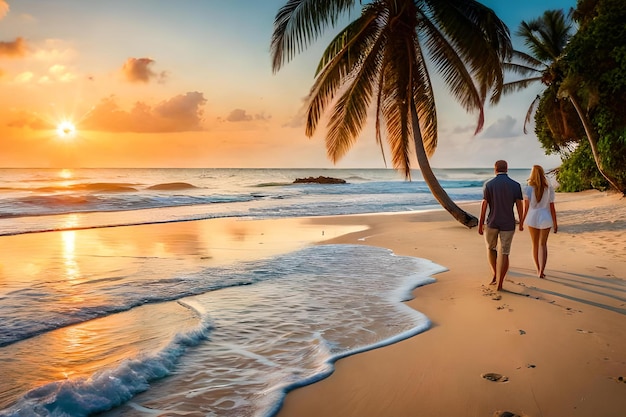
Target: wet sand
(540,347)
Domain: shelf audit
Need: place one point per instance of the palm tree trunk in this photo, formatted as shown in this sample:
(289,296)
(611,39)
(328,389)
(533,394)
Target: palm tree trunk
(592,140)
(436,189)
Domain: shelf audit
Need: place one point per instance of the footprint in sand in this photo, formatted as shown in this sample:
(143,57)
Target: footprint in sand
(620,379)
(505,414)
(491,376)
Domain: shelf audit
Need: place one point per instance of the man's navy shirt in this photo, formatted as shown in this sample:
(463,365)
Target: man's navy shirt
(501,192)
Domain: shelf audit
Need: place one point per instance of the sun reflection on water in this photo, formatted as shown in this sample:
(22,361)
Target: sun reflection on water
(72,270)
(66,173)
(70,221)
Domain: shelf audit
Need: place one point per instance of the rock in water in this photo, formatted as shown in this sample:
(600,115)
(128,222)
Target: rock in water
(319,180)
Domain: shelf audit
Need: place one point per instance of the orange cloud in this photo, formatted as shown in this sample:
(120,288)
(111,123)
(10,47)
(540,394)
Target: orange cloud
(4,8)
(182,113)
(27,119)
(57,73)
(15,49)
(240,115)
(137,70)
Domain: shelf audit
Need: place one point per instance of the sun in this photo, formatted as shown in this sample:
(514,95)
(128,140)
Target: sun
(66,130)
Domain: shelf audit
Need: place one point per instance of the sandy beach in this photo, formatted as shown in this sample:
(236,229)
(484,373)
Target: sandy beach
(541,347)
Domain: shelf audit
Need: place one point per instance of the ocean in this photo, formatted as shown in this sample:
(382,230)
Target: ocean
(103,314)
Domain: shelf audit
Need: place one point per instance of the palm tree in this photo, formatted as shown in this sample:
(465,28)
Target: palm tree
(383,56)
(547,38)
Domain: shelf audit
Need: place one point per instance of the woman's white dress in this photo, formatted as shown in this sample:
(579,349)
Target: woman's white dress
(539,215)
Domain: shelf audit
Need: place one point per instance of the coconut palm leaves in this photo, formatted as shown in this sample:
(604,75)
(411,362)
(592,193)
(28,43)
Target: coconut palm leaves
(546,39)
(382,59)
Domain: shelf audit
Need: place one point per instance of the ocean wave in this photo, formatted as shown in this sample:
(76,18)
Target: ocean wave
(273,184)
(102,187)
(50,205)
(267,338)
(19,307)
(108,388)
(113,197)
(172,186)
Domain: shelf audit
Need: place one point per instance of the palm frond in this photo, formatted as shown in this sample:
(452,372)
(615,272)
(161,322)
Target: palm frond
(522,70)
(350,112)
(531,110)
(526,59)
(300,22)
(480,38)
(340,58)
(519,85)
(453,70)
(396,90)
(547,35)
(394,110)
(424,101)
(378,117)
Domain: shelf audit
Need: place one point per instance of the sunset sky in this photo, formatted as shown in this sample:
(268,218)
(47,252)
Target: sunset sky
(159,83)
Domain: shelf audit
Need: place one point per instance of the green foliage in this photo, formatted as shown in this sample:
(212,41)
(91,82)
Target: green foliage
(595,62)
(579,172)
(612,142)
(557,124)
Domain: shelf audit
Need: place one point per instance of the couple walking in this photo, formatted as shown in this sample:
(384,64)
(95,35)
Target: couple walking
(500,195)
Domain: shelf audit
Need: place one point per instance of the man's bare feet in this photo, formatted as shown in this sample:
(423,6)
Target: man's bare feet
(493,281)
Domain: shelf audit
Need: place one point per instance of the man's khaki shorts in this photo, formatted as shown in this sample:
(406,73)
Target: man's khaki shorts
(506,237)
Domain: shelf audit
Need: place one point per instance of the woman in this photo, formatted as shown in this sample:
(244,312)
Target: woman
(539,215)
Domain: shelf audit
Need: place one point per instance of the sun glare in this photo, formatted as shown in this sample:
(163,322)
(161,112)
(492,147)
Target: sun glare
(66,174)
(66,130)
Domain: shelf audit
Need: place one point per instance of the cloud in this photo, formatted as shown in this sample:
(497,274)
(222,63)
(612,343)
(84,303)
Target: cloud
(57,73)
(15,49)
(137,70)
(238,115)
(53,51)
(24,77)
(298,121)
(502,128)
(182,113)
(4,8)
(28,119)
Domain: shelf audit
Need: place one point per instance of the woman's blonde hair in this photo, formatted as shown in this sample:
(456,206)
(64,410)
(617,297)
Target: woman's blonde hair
(538,180)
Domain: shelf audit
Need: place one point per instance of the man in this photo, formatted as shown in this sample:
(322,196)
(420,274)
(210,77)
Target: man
(500,194)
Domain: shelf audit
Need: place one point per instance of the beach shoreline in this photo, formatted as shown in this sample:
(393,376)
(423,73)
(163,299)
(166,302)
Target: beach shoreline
(551,347)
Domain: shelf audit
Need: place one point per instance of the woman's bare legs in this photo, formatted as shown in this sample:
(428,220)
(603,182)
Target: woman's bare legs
(539,240)
(534,239)
(543,251)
